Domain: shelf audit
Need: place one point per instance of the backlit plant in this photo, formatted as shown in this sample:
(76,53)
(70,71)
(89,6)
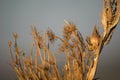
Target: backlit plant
(81,55)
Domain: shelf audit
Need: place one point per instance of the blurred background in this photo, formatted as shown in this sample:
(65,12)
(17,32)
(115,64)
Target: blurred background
(19,15)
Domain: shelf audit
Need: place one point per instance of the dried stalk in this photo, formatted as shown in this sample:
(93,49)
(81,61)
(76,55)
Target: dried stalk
(81,57)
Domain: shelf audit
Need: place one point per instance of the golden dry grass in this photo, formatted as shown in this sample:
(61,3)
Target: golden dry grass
(81,56)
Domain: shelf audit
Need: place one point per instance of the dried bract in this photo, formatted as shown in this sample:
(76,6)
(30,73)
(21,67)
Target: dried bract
(94,40)
(95,37)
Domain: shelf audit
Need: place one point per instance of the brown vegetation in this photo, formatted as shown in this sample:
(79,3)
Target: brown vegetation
(81,57)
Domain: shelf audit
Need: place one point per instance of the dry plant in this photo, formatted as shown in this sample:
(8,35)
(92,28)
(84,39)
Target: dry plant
(81,57)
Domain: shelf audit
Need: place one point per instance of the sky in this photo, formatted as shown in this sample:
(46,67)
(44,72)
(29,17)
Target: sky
(19,15)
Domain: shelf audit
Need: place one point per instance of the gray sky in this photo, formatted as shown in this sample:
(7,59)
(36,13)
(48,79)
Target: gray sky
(19,15)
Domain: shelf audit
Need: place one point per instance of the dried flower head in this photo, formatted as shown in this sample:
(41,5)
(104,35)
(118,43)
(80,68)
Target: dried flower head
(110,13)
(68,28)
(15,35)
(95,37)
(51,35)
(35,32)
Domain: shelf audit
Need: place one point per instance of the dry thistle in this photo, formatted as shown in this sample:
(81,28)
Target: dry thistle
(95,38)
(68,29)
(73,46)
(110,14)
(51,35)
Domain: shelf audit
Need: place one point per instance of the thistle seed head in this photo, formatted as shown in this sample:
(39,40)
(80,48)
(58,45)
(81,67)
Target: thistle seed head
(51,35)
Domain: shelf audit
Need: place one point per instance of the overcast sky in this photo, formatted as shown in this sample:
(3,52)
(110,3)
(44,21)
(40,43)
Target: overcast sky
(19,15)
